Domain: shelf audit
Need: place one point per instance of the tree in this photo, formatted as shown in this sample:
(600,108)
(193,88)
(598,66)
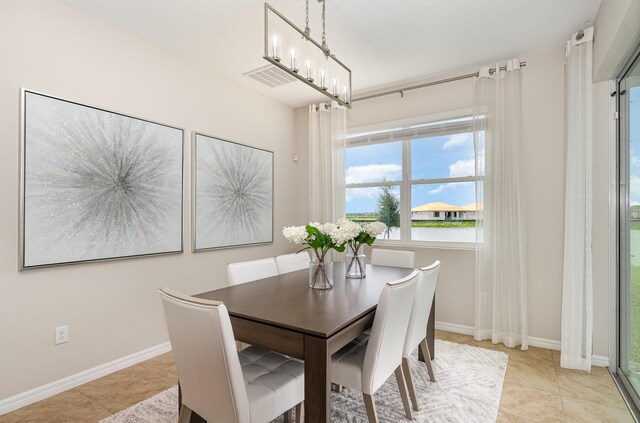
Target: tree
(388,209)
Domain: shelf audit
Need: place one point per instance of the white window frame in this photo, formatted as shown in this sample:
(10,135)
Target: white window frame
(406,182)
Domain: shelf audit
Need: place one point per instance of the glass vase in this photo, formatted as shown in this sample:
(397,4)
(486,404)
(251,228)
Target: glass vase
(321,274)
(356,264)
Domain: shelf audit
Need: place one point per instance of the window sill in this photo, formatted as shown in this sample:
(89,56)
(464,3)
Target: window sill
(440,245)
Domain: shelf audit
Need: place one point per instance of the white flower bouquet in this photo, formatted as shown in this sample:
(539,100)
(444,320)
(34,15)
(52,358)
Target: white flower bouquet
(360,235)
(321,238)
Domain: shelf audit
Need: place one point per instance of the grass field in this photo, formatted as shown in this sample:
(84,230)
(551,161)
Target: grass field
(443,224)
(370,217)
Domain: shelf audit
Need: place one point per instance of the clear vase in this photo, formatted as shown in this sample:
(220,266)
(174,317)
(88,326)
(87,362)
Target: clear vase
(321,274)
(356,264)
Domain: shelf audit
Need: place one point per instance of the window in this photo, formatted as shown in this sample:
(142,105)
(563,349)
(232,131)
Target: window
(418,178)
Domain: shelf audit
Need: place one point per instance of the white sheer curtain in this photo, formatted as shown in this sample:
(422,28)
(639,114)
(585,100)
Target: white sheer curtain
(327,144)
(577,283)
(500,285)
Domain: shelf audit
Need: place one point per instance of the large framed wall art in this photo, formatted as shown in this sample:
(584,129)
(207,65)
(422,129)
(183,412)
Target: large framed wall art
(233,194)
(96,184)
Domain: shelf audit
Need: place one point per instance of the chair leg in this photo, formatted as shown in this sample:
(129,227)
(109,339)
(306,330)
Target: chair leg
(403,392)
(184,415)
(427,359)
(412,391)
(300,412)
(370,405)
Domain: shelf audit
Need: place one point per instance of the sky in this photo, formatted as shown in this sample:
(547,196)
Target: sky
(435,157)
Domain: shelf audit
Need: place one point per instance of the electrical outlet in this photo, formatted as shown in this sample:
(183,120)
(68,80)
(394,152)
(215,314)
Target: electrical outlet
(61,334)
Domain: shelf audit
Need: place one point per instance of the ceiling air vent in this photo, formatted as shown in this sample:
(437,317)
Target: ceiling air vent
(271,76)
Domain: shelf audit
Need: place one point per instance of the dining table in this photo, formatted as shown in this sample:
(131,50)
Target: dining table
(283,314)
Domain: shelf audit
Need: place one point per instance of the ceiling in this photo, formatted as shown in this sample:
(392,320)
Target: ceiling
(383,42)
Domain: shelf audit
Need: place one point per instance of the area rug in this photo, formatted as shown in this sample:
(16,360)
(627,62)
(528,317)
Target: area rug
(468,388)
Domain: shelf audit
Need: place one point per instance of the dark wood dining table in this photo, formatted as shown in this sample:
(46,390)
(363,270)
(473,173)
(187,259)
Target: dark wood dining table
(283,314)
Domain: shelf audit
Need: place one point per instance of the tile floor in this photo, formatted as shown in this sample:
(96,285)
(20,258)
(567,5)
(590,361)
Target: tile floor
(535,389)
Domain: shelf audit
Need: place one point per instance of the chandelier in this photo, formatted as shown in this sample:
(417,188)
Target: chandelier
(294,51)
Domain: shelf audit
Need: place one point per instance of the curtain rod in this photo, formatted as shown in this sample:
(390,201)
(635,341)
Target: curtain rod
(428,84)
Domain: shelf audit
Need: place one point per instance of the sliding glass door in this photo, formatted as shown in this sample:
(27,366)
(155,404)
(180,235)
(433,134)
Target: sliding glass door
(629,282)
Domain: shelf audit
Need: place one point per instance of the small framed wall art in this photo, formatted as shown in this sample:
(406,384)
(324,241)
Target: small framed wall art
(96,184)
(233,194)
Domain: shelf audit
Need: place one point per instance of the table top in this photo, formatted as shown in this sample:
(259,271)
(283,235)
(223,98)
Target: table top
(287,301)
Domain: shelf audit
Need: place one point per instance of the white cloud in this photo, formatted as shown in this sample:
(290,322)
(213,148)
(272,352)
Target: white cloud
(373,173)
(456,140)
(463,168)
(355,193)
(441,188)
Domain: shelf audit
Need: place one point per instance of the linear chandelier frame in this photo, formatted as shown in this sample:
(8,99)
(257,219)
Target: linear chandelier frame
(293,71)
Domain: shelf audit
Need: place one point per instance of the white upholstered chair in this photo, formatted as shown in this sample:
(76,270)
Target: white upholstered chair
(416,333)
(247,271)
(291,262)
(218,383)
(367,362)
(395,258)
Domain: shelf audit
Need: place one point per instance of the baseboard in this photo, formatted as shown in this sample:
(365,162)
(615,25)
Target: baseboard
(29,397)
(596,360)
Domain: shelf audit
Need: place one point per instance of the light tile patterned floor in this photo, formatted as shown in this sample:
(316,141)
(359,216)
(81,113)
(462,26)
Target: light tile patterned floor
(535,389)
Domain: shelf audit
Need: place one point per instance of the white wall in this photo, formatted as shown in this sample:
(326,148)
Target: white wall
(616,32)
(112,308)
(543,152)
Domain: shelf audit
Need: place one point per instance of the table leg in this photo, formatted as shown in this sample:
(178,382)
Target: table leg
(317,380)
(431,333)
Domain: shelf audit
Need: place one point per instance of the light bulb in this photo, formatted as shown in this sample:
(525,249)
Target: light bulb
(275,48)
(293,60)
(309,76)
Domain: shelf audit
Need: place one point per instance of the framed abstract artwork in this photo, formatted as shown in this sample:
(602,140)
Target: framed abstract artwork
(96,185)
(233,194)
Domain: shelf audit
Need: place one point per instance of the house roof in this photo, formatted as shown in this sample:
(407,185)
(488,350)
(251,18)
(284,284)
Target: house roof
(472,207)
(438,206)
(435,207)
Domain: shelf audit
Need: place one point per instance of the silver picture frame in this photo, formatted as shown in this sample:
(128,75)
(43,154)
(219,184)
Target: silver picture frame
(96,185)
(232,194)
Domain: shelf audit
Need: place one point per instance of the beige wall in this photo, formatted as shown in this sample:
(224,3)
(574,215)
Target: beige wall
(112,308)
(543,152)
